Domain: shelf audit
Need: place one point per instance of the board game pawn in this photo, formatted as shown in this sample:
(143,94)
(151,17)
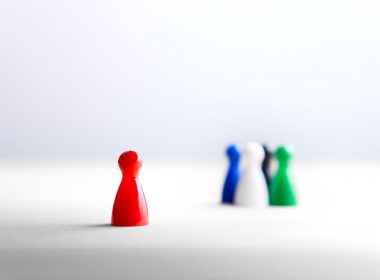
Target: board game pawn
(130,208)
(281,191)
(266,166)
(233,174)
(252,189)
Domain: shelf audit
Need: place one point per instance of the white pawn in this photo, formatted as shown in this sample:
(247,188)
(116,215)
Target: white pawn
(252,188)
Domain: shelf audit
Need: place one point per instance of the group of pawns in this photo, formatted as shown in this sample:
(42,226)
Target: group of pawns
(257,176)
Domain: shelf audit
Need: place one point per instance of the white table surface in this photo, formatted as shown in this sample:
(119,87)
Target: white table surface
(54,224)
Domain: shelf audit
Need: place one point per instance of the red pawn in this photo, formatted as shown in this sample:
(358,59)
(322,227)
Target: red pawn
(129,208)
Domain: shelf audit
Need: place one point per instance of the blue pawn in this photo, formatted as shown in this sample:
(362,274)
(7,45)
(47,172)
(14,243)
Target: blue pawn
(233,175)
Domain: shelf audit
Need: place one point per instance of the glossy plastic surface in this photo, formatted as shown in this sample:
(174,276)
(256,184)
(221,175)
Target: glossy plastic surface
(282,191)
(130,208)
(233,174)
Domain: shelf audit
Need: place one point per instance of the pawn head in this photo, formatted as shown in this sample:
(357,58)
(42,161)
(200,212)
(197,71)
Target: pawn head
(284,153)
(266,148)
(233,152)
(254,151)
(130,163)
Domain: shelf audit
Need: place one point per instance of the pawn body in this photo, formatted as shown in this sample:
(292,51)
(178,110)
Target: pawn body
(130,208)
(252,189)
(233,174)
(282,191)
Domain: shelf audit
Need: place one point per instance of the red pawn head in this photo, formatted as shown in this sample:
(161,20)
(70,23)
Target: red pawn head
(130,164)
(130,207)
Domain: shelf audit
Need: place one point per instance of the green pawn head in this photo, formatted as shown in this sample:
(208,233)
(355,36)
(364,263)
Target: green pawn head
(284,154)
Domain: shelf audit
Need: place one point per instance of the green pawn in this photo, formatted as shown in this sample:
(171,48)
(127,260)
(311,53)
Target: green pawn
(281,191)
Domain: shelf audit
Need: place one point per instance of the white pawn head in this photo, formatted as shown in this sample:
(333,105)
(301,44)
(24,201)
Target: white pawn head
(254,153)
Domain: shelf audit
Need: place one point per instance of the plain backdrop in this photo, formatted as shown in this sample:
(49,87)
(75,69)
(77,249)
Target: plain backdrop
(181,79)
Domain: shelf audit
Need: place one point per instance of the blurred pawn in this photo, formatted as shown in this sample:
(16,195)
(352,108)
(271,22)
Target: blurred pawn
(267,164)
(252,189)
(282,192)
(233,174)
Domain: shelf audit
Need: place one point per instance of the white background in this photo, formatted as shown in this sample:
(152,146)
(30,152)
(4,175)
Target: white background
(181,79)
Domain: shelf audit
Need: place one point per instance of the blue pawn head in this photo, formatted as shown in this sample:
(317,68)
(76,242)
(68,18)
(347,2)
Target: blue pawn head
(233,152)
